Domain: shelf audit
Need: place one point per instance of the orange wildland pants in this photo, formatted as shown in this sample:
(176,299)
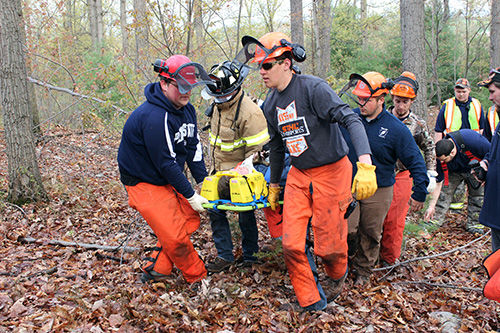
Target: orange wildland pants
(173,221)
(274,220)
(492,288)
(326,205)
(394,223)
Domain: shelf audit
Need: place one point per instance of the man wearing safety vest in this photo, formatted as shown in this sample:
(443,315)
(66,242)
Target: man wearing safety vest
(303,116)
(491,122)
(461,111)
(455,152)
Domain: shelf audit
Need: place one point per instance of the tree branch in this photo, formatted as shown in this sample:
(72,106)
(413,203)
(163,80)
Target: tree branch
(25,240)
(49,86)
(431,256)
(440,285)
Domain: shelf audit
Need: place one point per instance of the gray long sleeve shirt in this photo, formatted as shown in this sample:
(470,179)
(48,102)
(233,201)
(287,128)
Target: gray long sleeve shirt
(305,118)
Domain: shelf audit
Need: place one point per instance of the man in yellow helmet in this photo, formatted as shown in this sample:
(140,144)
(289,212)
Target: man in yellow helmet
(303,115)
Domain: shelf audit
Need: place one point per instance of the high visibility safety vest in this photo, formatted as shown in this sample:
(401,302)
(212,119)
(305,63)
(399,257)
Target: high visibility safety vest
(492,119)
(453,115)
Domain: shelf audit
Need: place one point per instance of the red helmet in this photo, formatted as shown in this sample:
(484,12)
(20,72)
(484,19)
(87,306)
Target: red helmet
(405,85)
(377,85)
(167,68)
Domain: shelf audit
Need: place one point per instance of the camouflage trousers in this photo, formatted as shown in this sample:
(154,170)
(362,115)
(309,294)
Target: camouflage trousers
(474,198)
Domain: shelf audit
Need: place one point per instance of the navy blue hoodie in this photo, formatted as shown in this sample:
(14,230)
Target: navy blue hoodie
(391,140)
(157,141)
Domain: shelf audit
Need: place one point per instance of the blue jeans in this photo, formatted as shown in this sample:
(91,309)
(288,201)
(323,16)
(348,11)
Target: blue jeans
(221,234)
(321,304)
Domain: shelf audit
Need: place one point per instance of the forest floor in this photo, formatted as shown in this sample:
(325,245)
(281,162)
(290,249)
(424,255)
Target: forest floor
(51,288)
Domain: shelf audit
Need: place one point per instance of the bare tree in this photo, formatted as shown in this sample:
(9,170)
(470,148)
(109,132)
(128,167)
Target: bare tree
(198,23)
(95,21)
(33,106)
(25,182)
(363,10)
(297,23)
(475,30)
(141,26)
(439,17)
(123,25)
(268,10)
(323,27)
(413,47)
(495,34)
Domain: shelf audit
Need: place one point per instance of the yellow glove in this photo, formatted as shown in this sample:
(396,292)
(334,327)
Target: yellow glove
(364,184)
(274,196)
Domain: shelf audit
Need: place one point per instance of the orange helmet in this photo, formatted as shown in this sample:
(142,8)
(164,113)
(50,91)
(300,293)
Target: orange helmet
(406,85)
(377,85)
(272,42)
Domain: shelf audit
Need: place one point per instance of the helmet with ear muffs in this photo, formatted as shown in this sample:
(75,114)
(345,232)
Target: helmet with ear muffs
(275,44)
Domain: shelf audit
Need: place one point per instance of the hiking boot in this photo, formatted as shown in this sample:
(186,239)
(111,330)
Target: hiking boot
(153,276)
(218,265)
(333,288)
(475,228)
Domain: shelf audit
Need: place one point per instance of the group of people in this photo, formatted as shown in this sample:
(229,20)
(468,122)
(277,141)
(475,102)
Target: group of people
(368,159)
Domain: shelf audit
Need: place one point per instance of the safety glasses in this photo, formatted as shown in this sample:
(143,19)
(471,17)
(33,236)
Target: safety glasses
(268,65)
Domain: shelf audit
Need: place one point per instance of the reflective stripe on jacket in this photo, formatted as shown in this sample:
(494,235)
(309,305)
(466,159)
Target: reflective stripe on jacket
(453,115)
(234,137)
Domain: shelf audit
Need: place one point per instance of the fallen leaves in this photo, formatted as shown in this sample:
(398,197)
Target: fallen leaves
(47,288)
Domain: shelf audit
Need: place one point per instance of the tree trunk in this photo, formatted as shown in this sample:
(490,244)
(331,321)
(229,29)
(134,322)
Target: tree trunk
(32,104)
(25,183)
(123,25)
(199,33)
(412,43)
(363,9)
(495,34)
(297,24)
(141,35)
(323,24)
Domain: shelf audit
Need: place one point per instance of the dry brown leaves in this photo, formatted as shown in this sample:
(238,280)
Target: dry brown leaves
(46,288)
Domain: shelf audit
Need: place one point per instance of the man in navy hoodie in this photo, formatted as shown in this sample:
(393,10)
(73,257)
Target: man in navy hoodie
(390,140)
(159,137)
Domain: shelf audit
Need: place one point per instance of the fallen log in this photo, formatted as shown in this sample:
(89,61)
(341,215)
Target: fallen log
(28,240)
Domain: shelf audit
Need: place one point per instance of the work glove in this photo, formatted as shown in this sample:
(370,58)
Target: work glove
(274,197)
(364,184)
(431,174)
(196,202)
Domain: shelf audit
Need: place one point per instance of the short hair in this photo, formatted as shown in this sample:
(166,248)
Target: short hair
(444,147)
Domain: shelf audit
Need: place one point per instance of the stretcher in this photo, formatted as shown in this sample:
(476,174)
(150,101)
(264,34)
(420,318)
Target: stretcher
(246,192)
(235,206)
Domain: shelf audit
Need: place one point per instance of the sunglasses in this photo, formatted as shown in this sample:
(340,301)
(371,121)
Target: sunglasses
(268,65)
